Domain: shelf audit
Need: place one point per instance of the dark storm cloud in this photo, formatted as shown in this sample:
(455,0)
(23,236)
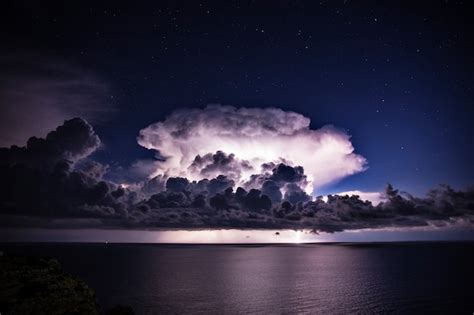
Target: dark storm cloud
(93,169)
(285,173)
(186,206)
(72,141)
(280,181)
(55,178)
(295,194)
(177,184)
(41,178)
(211,165)
(272,190)
(38,93)
(253,210)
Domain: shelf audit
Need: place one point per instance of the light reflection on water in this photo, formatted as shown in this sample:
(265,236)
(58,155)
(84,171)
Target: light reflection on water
(312,279)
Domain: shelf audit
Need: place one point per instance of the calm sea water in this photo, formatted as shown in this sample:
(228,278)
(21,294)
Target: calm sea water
(226,279)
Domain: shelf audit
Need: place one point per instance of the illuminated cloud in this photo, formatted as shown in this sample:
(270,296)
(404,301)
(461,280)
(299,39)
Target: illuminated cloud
(252,136)
(56,184)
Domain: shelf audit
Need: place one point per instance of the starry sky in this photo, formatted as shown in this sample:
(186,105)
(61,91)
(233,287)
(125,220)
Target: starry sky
(395,76)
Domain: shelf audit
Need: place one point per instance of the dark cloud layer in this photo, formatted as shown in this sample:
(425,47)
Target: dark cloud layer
(55,178)
(41,179)
(72,141)
(211,165)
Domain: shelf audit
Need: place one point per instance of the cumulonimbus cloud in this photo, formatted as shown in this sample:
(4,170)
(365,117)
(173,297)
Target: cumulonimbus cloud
(55,179)
(253,136)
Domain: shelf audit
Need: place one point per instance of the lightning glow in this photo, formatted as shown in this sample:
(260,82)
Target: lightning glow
(254,136)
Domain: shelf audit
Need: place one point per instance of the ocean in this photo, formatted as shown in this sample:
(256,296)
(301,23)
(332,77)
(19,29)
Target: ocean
(425,277)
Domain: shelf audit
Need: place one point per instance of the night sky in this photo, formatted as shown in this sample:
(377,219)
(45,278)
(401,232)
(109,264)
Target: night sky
(395,76)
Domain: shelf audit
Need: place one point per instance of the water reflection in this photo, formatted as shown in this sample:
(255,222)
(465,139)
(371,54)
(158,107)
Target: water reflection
(273,279)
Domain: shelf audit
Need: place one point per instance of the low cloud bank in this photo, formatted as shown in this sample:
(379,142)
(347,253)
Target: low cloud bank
(55,178)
